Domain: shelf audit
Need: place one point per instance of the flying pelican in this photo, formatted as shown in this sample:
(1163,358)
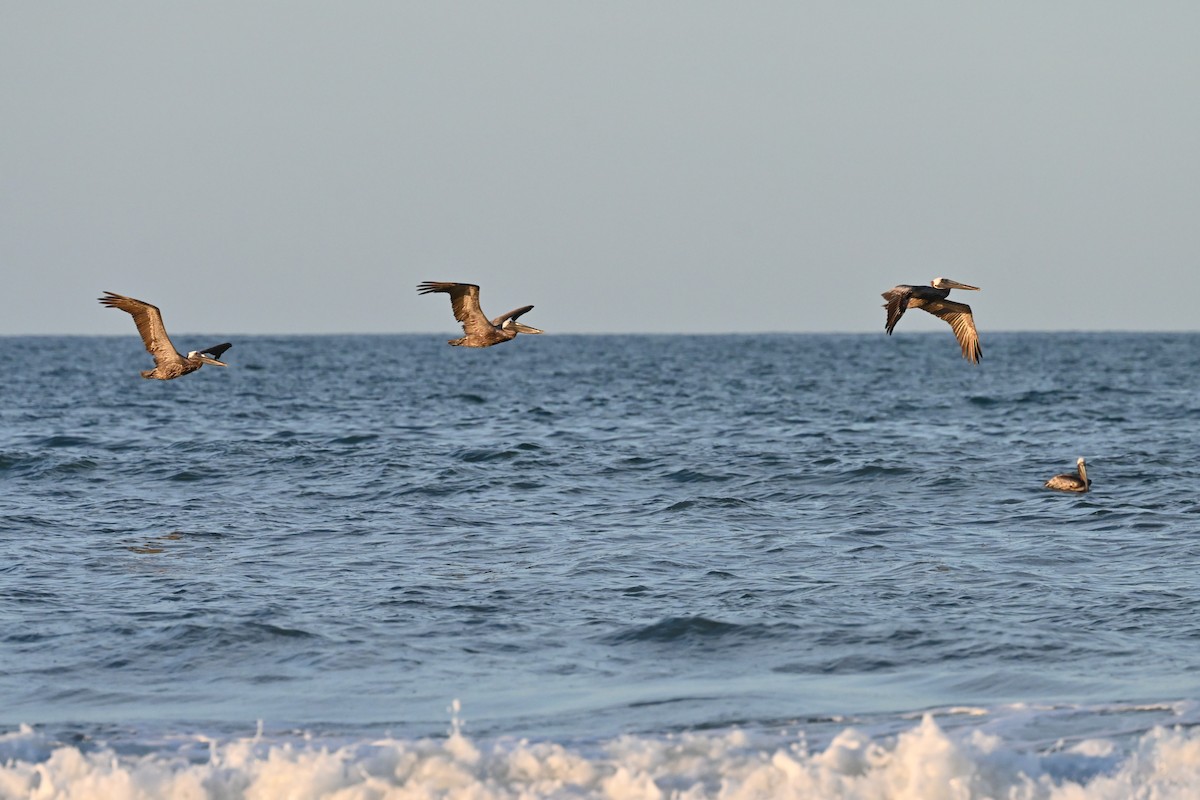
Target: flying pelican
(464,299)
(168,363)
(1071,481)
(932,298)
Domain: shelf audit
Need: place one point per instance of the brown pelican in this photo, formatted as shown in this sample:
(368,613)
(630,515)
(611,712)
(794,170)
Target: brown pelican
(1071,481)
(932,298)
(464,299)
(168,363)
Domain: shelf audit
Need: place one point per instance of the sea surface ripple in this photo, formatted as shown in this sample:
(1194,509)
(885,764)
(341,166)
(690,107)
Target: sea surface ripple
(586,536)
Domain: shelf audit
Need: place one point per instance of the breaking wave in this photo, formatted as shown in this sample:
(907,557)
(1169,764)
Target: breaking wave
(924,761)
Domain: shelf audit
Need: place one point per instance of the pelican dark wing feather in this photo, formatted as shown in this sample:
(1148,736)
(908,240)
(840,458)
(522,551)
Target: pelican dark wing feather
(216,350)
(961,322)
(897,303)
(149,323)
(516,312)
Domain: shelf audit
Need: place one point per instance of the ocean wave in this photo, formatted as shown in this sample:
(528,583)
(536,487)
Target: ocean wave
(193,634)
(694,476)
(709,503)
(694,629)
(476,455)
(46,466)
(924,761)
(359,438)
(61,440)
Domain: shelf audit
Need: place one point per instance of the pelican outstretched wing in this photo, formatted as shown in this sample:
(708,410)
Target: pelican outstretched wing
(897,303)
(149,324)
(216,350)
(516,312)
(464,299)
(961,322)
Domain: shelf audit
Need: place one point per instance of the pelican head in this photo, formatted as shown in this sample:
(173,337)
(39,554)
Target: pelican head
(946,283)
(520,327)
(1082,470)
(205,358)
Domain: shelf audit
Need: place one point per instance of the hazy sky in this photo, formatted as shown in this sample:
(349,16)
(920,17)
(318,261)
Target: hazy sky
(262,167)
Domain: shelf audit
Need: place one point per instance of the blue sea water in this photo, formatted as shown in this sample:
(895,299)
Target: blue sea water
(609,566)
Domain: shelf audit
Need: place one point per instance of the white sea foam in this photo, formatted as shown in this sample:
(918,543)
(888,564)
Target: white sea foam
(924,762)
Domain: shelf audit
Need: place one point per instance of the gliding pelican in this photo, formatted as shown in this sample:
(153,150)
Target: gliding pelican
(932,298)
(1071,481)
(480,332)
(168,363)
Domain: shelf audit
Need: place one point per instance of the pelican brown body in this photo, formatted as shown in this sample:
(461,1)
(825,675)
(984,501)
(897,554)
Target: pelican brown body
(479,330)
(168,362)
(1071,481)
(932,298)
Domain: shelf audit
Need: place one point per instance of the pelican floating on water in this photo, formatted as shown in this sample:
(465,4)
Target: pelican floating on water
(168,363)
(1071,481)
(932,298)
(479,330)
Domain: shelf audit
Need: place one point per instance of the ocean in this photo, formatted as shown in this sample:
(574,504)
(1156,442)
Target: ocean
(794,566)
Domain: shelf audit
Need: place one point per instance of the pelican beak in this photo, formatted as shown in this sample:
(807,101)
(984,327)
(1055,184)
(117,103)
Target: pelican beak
(523,328)
(957,285)
(213,361)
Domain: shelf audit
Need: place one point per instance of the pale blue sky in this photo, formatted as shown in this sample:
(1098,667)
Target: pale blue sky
(260,167)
